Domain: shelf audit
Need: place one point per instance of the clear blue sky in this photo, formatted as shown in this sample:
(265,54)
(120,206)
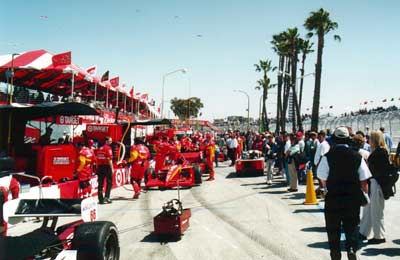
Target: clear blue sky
(142,40)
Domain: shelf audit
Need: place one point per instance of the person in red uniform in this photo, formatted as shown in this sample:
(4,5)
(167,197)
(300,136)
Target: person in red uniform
(258,143)
(162,149)
(210,153)
(8,185)
(85,169)
(105,170)
(139,160)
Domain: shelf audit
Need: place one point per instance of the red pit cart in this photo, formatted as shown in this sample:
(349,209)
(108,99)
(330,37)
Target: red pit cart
(173,220)
(251,164)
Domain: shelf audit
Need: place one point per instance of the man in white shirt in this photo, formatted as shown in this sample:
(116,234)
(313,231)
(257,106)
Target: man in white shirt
(232,145)
(322,148)
(344,174)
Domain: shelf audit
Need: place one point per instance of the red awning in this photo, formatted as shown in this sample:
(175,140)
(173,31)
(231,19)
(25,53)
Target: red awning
(35,70)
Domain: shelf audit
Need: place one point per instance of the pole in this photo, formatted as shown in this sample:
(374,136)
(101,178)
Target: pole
(163,85)
(162,96)
(248,112)
(72,85)
(95,92)
(125,103)
(107,98)
(116,104)
(260,114)
(248,107)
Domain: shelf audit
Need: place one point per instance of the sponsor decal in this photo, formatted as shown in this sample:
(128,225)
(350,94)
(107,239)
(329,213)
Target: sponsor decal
(97,128)
(68,120)
(118,177)
(61,160)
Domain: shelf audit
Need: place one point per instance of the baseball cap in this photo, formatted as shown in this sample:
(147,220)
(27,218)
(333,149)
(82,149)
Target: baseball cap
(299,134)
(341,132)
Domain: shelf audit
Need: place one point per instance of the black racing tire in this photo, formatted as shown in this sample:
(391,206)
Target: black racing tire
(197,174)
(96,241)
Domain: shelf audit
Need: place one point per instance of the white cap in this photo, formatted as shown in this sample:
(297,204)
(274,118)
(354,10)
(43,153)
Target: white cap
(341,132)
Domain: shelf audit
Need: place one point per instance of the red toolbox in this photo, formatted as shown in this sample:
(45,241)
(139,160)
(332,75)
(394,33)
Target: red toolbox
(173,220)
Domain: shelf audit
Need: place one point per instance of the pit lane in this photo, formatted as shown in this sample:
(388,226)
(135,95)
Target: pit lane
(232,218)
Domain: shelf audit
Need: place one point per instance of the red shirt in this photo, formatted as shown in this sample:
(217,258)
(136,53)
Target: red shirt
(104,155)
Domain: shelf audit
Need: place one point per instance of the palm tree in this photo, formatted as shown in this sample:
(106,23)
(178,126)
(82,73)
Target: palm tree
(264,66)
(280,46)
(319,23)
(292,38)
(305,48)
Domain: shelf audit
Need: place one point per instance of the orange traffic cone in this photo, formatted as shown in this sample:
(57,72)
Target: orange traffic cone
(311,197)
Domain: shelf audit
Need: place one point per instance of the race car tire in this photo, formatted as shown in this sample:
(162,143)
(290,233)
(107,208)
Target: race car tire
(197,174)
(96,240)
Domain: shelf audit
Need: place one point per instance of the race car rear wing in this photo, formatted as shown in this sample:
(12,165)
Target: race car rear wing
(14,211)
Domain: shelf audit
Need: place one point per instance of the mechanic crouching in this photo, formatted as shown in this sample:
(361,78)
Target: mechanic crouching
(8,186)
(139,160)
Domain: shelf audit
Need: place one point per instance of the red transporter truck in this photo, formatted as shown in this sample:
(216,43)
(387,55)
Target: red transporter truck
(53,165)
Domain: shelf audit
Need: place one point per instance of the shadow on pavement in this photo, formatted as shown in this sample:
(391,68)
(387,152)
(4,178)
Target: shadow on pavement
(295,196)
(273,185)
(314,229)
(274,192)
(235,175)
(308,211)
(325,245)
(162,239)
(122,198)
(381,251)
(397,241)
(253,184)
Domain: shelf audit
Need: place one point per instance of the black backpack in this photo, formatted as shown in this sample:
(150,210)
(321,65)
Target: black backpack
(388,182)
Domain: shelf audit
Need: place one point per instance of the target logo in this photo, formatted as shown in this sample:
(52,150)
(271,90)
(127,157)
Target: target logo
(118,177)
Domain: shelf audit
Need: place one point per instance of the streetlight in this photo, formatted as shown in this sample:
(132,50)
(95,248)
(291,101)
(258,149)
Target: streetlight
(248,107)
(183,70)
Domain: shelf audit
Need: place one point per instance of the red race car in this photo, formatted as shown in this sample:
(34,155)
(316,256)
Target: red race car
(252,163)
(82,239)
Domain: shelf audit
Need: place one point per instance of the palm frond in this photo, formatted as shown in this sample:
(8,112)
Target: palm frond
(337,38)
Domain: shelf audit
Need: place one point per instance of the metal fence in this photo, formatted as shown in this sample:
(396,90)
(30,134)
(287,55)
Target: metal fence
(389,120)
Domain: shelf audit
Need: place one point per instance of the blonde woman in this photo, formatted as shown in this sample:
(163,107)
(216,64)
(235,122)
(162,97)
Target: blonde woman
(373,217)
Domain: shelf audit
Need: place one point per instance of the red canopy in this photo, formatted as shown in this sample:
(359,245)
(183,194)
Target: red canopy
(35,70)
(42,70)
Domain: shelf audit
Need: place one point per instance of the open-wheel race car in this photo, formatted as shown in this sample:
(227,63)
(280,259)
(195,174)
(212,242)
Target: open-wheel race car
(252,163)
(173,174)
(82,239)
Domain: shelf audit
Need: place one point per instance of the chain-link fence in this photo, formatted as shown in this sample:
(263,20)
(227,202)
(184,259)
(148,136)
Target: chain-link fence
(389,120)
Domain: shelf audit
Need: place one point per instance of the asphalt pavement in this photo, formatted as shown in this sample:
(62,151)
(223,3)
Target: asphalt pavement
(235,218)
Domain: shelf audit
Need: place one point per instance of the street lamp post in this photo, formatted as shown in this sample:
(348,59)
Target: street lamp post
(248,107)
(183,70)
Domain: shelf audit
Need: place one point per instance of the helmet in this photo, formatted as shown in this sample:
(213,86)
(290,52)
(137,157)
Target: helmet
(90,142)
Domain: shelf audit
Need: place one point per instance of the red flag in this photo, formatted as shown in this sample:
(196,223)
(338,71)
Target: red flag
(92,70)
(131,92)
(61,59)
(384,100)
(114,82)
